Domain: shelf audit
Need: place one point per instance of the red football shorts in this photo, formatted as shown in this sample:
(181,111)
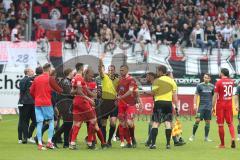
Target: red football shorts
(126,111)
(224,113)
(83,112)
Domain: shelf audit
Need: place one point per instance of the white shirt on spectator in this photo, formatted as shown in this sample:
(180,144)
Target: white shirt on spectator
(218,28)
(7,3)
(14,35)
(198,34)
(145,34)
(227,33)
(105,9)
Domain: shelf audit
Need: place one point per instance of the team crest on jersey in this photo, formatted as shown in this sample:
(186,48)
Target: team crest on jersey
(121,88)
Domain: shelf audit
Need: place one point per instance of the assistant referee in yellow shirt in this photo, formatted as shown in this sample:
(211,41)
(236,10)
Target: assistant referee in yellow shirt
(164,89)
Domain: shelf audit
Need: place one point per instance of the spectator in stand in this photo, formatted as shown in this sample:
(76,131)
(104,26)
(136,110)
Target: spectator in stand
(227,34)
(198,37)
(85,31)
(4,33)
(15,34)
(41,37)
(144,36)
(131,34)
(159,36)
(173,37)
(210,38)
(236,37)
(106,34)
(70,36)
(185,37)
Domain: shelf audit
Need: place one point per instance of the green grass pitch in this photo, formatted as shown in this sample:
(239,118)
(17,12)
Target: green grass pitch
(197,150)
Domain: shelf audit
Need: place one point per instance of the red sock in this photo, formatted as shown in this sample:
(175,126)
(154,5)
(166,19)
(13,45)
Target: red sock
(127,135)
(121,132)
(131,131)
(91,132)
(75,131)
(221,134)
(231,130)
(100,136)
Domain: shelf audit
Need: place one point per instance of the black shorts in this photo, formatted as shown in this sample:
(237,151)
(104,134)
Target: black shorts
(204,114)
(108,108)
(239,115)
(162,111)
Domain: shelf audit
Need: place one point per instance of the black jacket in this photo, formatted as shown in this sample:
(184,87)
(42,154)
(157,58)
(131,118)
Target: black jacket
(25,97)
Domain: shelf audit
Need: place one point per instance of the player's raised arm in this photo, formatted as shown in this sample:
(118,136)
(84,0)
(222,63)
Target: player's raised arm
(100,68)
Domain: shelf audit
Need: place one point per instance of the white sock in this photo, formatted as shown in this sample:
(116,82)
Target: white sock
(40,143)
(49,140)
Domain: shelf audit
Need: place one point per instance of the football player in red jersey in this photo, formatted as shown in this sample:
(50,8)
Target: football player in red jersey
(92,86)
(223,93)
(82,105)
(127,100)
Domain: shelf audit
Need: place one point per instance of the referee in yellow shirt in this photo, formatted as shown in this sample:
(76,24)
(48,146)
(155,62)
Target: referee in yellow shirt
(108,108)
(164,89)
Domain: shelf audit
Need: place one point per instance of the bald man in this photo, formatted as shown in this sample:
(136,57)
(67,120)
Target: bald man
(25,105)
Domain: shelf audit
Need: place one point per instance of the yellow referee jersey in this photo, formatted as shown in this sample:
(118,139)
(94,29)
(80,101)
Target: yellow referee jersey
(109,87)
(163,88)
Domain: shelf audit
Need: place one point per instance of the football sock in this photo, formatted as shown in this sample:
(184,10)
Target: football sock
(75,131)
(50,130)
(39,132)
(231,130)
(127,135)
(121,132)
(207,128)
(103,128)
(111,132)
(154,134)
(221,134)
(131,131)
(168,133)
(195,127)
(100,136)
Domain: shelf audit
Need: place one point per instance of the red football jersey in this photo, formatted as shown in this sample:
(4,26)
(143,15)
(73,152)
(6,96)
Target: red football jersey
(123,86)
(92,86)
(78,81)
(224,88)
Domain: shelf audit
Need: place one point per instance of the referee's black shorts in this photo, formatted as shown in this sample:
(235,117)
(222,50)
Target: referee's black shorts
(162,111)
(108,108)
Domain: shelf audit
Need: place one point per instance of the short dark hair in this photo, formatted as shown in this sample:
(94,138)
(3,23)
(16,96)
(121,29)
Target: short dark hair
(124,65)
(113,66)
(46,67)
(163,69)
(78,66)
(39,70)
(67,71)
(225,72)
(152,74)
(207,74)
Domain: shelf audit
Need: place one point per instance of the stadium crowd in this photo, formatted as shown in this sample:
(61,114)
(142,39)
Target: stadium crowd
(196,23)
